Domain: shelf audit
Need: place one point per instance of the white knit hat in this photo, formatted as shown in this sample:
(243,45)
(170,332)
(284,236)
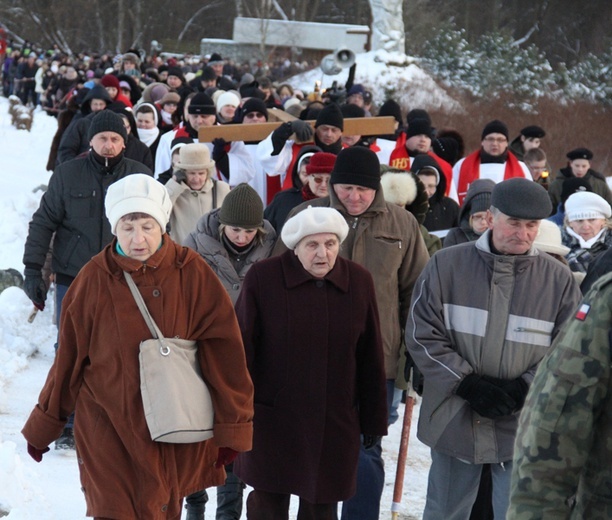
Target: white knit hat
(137,193)
(586,204)
(549,239)
(227,98)
(312,221)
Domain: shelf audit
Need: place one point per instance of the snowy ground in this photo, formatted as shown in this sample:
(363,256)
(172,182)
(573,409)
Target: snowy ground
(51,490)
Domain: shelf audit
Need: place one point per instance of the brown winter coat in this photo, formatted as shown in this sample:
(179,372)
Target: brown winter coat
(387,241)
(314,352)
(124,474)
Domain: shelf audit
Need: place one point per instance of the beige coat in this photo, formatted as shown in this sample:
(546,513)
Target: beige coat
(188,205)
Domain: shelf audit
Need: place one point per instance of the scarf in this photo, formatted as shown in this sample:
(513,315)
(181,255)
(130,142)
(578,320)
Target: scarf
(148,136)
(470,171)
(307,193)
(585,244)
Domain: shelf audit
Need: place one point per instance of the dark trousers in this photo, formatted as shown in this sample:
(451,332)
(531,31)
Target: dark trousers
(483,507)
(262,505)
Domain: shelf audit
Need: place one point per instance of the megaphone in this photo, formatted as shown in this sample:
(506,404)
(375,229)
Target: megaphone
(341,58)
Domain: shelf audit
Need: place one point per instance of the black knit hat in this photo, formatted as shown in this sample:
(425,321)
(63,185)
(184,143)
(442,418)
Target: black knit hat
(202,103)
(107,121)
(495,127)
(391,108)
(254,105)
(419,127)
(208,74)
(350,111)
(176,71)
(242,207)
(417,113)
(215,58)
(330,115)
(533,131)
(521,198)
(357,165)
(580,153)
(447,148)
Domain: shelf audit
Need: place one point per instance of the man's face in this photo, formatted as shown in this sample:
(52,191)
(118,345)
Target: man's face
(328,134)
(253,118)
(97,104)
(429,181)
(198,121)
(350,140)
(530,143)
(537,168)
(495,144)
(218,68)
(174,82)
(512,236)
(356,199)
(145,121)
(163,75)
(107,144)
(419,143)
(580,167)
(356,99)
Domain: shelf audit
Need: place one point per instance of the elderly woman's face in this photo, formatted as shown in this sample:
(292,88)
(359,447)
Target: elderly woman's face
(318,184)
(317,253)
(587,228)
(196,179)
(139,238)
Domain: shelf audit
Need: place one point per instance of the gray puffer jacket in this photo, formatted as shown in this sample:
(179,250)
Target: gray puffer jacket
(207,241)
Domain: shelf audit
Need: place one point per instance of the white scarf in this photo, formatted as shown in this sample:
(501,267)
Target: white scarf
(166,117)
(585,244)
(148,136)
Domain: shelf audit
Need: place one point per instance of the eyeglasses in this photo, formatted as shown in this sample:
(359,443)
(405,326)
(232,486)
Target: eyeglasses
(254,115)
(496,140)
(479,218)
(321,179)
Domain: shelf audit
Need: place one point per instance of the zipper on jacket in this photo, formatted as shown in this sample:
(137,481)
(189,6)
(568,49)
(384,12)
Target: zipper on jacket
(536,331)
(355,222)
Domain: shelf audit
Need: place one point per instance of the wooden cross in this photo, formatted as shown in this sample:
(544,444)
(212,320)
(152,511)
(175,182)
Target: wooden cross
(258,132)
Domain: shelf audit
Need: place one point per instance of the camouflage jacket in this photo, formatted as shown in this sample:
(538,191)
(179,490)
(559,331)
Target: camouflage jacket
(563,453)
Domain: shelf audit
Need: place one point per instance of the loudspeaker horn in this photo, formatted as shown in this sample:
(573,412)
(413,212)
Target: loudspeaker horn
(341,58)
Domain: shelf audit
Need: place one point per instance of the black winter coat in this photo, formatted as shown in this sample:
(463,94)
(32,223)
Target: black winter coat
(73,209)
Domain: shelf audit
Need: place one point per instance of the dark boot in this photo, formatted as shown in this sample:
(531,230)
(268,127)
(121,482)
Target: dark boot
(196,505)
(229,496)
(65,440)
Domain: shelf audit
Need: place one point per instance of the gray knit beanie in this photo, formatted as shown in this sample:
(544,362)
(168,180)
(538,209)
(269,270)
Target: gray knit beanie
(242,207)
(107,121)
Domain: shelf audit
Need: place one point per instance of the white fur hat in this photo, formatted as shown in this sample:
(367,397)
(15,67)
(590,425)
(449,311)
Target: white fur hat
(137,193)
(312,221)
(586,204)
(227,98)
(549,239)
(398,188)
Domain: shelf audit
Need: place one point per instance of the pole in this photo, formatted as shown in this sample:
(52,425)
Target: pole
(401,458)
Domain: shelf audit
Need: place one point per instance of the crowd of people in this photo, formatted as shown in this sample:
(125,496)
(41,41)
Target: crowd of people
(348,260)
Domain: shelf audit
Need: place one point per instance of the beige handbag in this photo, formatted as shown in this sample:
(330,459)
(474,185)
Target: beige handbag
(177,403)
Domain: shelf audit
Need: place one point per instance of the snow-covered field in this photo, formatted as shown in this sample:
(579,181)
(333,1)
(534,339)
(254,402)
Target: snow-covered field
(51,490)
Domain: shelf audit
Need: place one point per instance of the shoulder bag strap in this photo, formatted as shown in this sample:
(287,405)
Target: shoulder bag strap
(142,306)
(214,194)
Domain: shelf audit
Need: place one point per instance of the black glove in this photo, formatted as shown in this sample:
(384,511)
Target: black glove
(179,175)
(218,149)
(516,388)
(369,441)
(302,130)
(417,376)
(485,398)
(35,287)
(280,136)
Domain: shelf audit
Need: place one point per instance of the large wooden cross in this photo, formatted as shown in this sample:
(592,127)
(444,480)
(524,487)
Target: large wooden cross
(258,132)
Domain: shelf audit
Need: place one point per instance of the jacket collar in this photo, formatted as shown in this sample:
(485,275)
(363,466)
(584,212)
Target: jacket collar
(296,275)
(378,204)
(484,244)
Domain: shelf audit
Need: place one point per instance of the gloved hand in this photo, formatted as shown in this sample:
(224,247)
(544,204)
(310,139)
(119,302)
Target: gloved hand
(369,441)
(302,130)
(35,287)
(179,175)
(35,453)
(218,149)
(226,456)
(484,397)
(516,388)
(280,136)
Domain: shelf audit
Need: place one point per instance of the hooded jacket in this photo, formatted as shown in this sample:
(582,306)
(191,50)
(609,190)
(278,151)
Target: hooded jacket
(207,241)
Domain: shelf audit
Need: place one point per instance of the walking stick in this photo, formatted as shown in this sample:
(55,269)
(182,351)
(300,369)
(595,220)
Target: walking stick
(401,458)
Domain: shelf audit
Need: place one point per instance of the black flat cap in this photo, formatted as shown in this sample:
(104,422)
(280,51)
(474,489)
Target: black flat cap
(521,198)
